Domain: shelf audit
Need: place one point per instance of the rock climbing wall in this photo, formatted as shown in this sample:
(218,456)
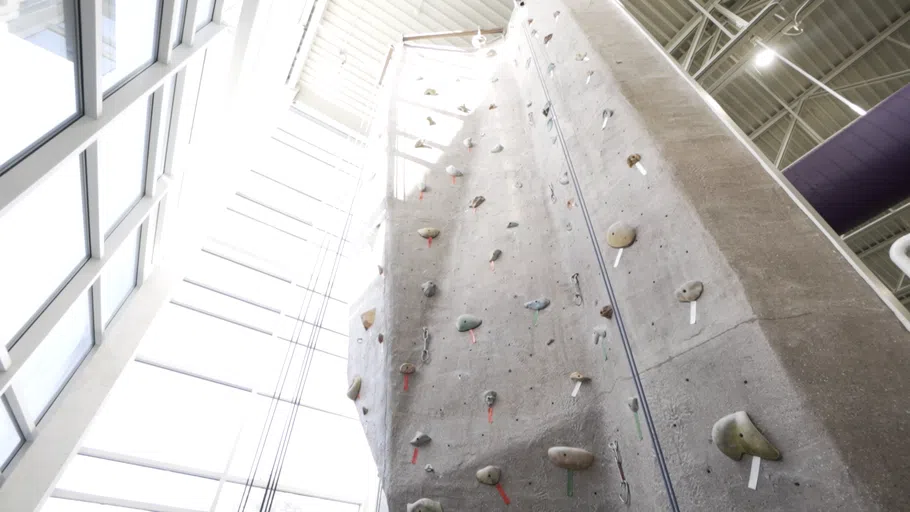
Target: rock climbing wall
(582,135)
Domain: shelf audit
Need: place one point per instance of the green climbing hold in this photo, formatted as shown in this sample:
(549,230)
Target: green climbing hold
(735,435)
(467,322)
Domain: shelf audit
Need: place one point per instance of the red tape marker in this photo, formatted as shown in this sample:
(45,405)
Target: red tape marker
(406,381)
(502,492)
(490,415)
(429,242)
(420,197)
(453,180)
(414,457)
(492,266)
(473,339)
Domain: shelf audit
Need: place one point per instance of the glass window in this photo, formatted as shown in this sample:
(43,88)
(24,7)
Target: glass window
(55,360)
(332,343)
(225,306)
(167,105)
(326,380)
(126,481)
(205,11)
(62,505)
(122,159)
(119,277)
(48,223)
(177,27)
(232,494)
(165,416)
(37,55)
(223,274)
(10,437)
(129,38)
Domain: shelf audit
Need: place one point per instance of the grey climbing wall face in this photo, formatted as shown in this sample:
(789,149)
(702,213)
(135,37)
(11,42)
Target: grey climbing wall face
(541,225)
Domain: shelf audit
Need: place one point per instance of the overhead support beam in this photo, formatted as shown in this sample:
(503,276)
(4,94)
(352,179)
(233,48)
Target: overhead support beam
(834,72)
(707,14)
(693,48)
(690,25)
(865,83)
(899,43)
(739,22)
(461,33)
(787,136)
(812,133)
(735,40)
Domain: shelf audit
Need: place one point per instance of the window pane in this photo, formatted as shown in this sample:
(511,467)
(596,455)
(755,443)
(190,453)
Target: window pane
(47,224)
(205,10)
(165,416)
(10,438)
(37,56)
(55,360)
(225,307)
(177,27)
(122,160)
(62,505)
(167,105)
(238,280)
(116,480)
(119,277)
(326,382)
(129,37)
(232,494)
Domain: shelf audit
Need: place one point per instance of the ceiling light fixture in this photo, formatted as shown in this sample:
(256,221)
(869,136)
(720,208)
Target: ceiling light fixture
(764,58)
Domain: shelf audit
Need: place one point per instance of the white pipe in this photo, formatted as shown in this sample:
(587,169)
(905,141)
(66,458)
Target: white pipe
(898,253)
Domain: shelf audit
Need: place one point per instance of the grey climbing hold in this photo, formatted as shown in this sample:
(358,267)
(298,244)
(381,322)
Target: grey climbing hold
(531,118)
(530,103)
(550,69)
(550,342)
(588,78)
(489,398)
(582,57)
(600,332)
(546,109)
(420,439)
(556,16)
(407,368)
(690,291)
(367,318)
(512,225)
(633,159)
(605,116)
(491,53)
(422,186)
(428,232)
(354,388)
(463,108)
(578,377)
(564,178)
(552,194)
(546,38)
(568,226)
(494,80)
(528,63)
(431,121)
(428,468)
(424,505)
(477,201)
(632,402)
(492,106)
(468,143)
(567,457)
(607,311)
(620,235)
(421,144)
(553,139)
(534,32)
(451,170)
(430,92)
(518,184)
(429,288)
(365,410)
(735,435)
(538,304)
(489,475)
(497,149)
(550,124)
(495,255)
(467,322)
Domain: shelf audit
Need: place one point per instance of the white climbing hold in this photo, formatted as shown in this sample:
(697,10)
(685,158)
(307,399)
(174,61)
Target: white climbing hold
(428,232)
(550,69)
(512,225)
(429,289)
(489,398)
(605,115)
(430,92)
(422,186)
(428,468)
(468,143)
(354,388)
(497,149)
(494,80)
(600,332)
(564,178)
(489,475)
(588,79)
(451,170)
(690,291)
(477,201)
(420,439)
(556,16)
(407,368)
(425,505)
(491,53)
(582,57)
(534,32)
(467,322)
(570,458)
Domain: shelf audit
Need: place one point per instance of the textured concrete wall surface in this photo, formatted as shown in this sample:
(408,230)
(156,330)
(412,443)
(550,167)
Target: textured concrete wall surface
(784,330)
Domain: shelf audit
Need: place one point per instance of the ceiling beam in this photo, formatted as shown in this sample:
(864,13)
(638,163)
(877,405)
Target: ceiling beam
(834,72)
(786,142)
(693,48)
(687,29)
(792,111)
(864,83)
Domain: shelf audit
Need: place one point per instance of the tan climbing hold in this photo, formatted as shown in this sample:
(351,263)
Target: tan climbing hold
(606,311)
(567,457)
(421,144)
(407,368)
(492,106)
(428,232)
(735,435)
(425,505)
(368,318)
(430,92)
(690,291)
(620,235)
(489,475)
(633,159)
(578,377)
(431,121)
(354,388)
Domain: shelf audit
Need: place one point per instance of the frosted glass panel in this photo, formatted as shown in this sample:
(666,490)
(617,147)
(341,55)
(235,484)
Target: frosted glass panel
(52,364)
(129,37)
(232,495)
(10,438)
(118,278)
(61,505)
(225,306)
(326,381)
(238,280)
(121,163)
(204,11)
(47,229)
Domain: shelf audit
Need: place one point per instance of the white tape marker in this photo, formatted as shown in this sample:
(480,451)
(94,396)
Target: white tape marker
(641,169)
(618,255)
(692,312)
(577,387)
(753,476)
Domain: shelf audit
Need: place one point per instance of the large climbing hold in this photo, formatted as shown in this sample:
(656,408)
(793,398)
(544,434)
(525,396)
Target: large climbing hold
(690,291)
(620,235)
(467,322)
(420,439)
(538,304)
(368,318)
(489,398)
(428,232)
(429,288)
(468,143)
(424,505)
(354,388)
(735,435)
(407,368)
(453,171)
(567,457)
(489,475)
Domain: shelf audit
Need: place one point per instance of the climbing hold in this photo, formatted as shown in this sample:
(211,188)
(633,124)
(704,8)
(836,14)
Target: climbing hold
(424,505)
(421,144)
(549,124)
(381,271)
(431,121)
(546,38)
(550,342)
(430,92)
(428,468)
(538,304)
(491,53)
(550,69)
(530,20)
(420,439)
(570,458)
(512,225)
(492,106)
(407,368)
(495,255)
(600,332)
(468,143)
(582,57)
(620,235)
(354,388)
(633,159)
(531,118)
(368,318)
(428,232)
(494,80)
(568,226)
(564,178)
(489,398)
(497,149)
(422,186)
(553,139)
(429,288)
(528,63)
(632,402)
(556,16)
(605,116)
(534,32)
(419,78)
(546,109)
(607,311)
(380,338)
(530,103)
(489,475)
(477,201)
(467,322)
(578,377)
(588,79)
(735,435)
(690,291)
(518,185)
(365,410)
(451,170)
(463,108)
(570,203)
